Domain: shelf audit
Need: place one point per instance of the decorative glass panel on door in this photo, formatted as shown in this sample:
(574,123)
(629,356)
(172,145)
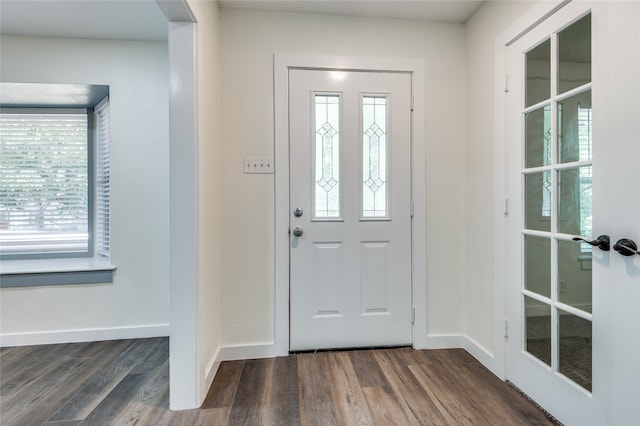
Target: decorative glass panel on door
(374,157)
(327,156)
(557,182)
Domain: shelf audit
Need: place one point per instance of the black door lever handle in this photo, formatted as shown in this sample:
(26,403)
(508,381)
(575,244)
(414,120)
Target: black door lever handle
(626,247)
(602,242)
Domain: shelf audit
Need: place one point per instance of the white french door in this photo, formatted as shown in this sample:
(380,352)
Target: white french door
(573,110)
(350,202)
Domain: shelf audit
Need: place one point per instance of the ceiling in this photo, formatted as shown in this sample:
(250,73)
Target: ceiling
(427,10)
(98,19)
(143,20)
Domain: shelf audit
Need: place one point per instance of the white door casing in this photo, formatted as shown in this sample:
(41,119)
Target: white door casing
(615,105)
(283,64)
(351,266)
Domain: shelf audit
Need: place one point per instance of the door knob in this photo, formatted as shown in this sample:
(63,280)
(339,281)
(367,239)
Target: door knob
(297,212)
(626,247)
(602,242)
(297,231)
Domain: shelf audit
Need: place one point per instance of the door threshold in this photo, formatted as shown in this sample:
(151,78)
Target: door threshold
(348,349)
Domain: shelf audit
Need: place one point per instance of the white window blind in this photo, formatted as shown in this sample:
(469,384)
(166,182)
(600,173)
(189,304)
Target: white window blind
(44,205)
(102,192)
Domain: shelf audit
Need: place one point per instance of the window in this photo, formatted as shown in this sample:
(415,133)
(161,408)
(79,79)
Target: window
(102,197)
(374,156)
(584,142)
(327,156)
(54,169)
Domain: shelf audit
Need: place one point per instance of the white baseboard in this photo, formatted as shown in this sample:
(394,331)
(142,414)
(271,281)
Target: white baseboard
(447,341)
(83,335)
(209,375)
(481,354)
(460,341)
(232,353)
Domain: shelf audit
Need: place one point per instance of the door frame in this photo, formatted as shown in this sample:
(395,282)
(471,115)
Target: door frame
(416,67)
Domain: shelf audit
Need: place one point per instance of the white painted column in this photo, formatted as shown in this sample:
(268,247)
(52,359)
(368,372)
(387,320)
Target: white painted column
(184,375)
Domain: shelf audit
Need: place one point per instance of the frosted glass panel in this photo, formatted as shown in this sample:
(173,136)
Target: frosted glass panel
(374,157)
(327,156)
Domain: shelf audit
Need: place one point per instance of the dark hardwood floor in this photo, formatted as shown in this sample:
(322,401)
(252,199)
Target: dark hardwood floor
(126,382)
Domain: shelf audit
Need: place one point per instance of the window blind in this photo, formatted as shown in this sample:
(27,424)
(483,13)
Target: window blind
(43,182)
(102,192)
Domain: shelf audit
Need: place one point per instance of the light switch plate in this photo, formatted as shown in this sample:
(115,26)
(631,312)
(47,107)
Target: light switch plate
(258,165)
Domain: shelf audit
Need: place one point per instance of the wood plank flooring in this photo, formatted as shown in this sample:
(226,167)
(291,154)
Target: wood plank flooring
(126,382)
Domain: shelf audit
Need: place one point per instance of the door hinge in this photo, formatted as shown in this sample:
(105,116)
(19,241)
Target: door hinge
(506,328)
(413,315)
(412,100)
(506,206)
(412,207)
(506,84)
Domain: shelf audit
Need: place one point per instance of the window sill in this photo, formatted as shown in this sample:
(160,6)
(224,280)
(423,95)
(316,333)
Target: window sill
(45,272)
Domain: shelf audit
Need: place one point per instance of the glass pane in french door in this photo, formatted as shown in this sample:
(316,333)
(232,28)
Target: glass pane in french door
(574,352)
(538,71)
(538,137)
(537,209)
(574,55)
(574,275)
(538,329)
(574,201)
(537,265)
(557,182)
(574,133)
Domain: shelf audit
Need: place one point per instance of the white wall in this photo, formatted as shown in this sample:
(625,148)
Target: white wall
(137,73)
(249,40)
(481,32)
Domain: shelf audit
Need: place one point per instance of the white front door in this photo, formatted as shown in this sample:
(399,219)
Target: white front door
(574,155)
(350,202)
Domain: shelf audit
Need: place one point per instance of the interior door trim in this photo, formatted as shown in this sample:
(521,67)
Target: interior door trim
(416,67)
